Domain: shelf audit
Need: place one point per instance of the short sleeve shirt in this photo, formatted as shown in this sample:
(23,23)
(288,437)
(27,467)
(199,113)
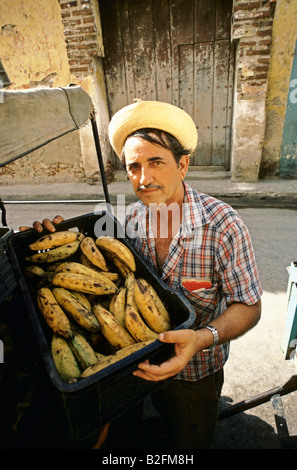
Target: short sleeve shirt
(213,243)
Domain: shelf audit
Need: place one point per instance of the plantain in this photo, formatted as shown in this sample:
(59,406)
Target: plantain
(91,251)
(82,351)
(121,267)
(55,254)
(133,319)
(75,309)
(117,249)
(37,275)
(64,359)
(78,268)
(130,278)
(53,314)
(82,298)
(86,285)
(53,240)
(114,358)
(118,304)
(115,334)
(151,307)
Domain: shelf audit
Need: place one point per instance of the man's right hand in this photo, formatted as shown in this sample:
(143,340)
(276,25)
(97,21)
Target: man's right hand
(46,223)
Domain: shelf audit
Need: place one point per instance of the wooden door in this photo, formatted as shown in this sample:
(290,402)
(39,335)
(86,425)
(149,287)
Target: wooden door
(177,51)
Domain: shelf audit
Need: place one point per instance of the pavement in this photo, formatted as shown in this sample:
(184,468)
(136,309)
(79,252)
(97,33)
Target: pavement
(256,364)
(263,193)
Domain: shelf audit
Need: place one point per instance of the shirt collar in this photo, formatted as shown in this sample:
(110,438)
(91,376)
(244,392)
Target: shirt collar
(194,214)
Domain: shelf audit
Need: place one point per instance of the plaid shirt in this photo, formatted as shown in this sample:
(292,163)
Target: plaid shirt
(212,243)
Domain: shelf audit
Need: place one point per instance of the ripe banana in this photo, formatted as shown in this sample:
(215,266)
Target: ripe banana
(82,298)
(112,359)
(55,254)
(133,320)
(64,360)
(118,304)
(115,334)
(77,311)
(53,240)
(82,351)
(116,249)
(53,314)
(121,267)
(35,273)
(149,305)
(90,250)
(130,278)
(86,285)
(78,268)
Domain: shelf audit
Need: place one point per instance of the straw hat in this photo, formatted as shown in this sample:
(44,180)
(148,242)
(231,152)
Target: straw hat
(155,115)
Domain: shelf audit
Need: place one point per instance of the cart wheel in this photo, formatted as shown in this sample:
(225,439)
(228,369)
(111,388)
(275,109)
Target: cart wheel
(101,438)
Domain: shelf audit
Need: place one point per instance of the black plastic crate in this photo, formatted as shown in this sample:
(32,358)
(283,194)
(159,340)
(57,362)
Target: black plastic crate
(90,403)
(7,276)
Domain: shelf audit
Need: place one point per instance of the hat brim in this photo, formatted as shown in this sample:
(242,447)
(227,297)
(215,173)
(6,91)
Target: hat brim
(152,115)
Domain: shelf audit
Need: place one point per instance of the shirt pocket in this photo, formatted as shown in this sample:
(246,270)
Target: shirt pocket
(203,301)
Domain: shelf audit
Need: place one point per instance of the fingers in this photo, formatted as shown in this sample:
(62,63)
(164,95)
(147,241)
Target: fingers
(46,224)
(22,228)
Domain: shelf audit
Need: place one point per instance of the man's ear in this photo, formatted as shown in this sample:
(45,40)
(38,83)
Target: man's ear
(184,165)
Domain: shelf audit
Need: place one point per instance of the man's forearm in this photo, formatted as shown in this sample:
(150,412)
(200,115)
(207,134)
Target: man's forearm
(236,320)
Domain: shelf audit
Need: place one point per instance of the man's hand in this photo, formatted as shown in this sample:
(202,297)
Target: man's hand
(186,344)
(46,224)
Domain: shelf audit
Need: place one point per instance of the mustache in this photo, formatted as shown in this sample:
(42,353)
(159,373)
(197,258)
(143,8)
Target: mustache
(149,186)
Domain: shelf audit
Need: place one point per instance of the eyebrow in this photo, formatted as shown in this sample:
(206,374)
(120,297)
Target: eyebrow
(150,159)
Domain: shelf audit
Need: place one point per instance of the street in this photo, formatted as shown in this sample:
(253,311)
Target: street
(256,362)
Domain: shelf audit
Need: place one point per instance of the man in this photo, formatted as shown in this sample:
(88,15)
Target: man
(205,241)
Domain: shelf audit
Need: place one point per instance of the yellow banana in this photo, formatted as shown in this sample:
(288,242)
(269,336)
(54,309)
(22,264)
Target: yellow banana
(121,267)
(90,250)
(112,359)
(130,278)
(55,254)
(53,240)
(36,274)
(115,334)
(133,320)
(86,285)
(149,307)
(118,306)
(77,311)
(64,360)
(117,249)
(82,351)
(53,314)
(78,268)
(82,298)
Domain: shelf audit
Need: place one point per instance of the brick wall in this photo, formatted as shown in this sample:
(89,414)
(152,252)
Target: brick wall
(252,25)
(82,31)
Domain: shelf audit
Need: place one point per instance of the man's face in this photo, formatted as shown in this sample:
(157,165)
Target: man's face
(153,172)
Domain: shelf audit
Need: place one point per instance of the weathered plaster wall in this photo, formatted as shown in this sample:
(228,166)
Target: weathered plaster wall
(33,52)
(282,54)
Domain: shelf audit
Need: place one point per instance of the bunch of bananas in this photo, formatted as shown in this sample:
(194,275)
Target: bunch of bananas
(96,307)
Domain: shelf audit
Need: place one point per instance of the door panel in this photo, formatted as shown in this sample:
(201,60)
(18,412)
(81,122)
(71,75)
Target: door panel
(177,51)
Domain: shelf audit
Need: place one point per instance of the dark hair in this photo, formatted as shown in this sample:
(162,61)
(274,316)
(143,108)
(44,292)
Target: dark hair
(159,137)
